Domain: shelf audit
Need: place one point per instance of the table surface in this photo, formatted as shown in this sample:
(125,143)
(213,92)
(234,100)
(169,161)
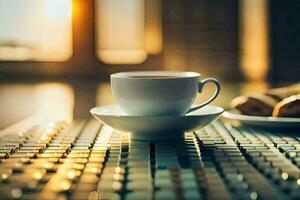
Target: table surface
(84,159)
(73,99)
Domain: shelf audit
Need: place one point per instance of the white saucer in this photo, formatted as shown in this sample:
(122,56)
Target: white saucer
(270,122)
(157,127)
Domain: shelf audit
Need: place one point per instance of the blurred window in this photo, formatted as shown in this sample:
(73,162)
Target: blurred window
(120,36)
(38,30)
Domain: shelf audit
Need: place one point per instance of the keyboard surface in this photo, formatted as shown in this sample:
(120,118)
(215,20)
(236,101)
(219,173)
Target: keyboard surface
(88,160)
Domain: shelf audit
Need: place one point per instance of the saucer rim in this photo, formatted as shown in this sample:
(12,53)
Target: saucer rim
(219,112)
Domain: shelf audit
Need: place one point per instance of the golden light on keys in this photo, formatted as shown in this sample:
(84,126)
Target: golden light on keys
(37,175)
(78,166)
(81,160)
(118,177)
(254,34)
(48,166)
(51,131)
(116,185)
(65,185)
(94,195)
(284,176)
(119,170)
(16,193)
(4,176)
(71,174)
(32,184)
(43,137)
(95,170)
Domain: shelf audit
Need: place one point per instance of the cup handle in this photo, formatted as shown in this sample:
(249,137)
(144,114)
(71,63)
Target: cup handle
(201,86)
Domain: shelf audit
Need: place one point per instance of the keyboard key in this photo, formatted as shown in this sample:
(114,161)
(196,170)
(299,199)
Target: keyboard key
(192,195)
(39,195)
(109,186)
(164,183)
(89,178)
(5,173)
(138,196)
(109,195)
(138,176)
(164,194)
(86,162)
(139,185)
(86,187)
(58,184)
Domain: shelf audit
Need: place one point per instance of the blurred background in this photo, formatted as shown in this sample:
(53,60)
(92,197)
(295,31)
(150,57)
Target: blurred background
(63,43)
(232,40)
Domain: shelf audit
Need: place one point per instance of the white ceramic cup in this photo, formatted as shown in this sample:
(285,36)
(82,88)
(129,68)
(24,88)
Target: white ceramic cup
(159,93)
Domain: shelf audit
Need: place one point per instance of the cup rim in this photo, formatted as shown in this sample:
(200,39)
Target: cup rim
(176,74)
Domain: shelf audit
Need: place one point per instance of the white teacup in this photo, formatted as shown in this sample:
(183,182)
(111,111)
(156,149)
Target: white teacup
(159,93)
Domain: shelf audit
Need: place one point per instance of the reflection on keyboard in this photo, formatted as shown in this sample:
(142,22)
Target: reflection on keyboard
(86,160)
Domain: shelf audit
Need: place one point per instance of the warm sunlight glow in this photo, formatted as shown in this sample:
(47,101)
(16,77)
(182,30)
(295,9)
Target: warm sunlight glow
(36,30)
(122,56)
(254,87)
(55,101)
(104,95)
(57,10)
(254,50)
(175,61)
(153,27)
(120,35)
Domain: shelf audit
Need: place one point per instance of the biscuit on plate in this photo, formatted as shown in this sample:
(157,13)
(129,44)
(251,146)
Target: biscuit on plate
(256,104)
(288,107)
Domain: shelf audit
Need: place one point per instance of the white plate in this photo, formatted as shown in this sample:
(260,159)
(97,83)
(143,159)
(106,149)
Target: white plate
(158,127)
(270,122)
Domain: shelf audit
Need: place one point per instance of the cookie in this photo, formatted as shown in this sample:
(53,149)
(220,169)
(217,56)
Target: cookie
(256,104)
(284,92)
(288,107)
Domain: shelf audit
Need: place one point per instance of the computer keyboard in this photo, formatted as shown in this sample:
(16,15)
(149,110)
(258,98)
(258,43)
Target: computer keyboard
(88,160)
